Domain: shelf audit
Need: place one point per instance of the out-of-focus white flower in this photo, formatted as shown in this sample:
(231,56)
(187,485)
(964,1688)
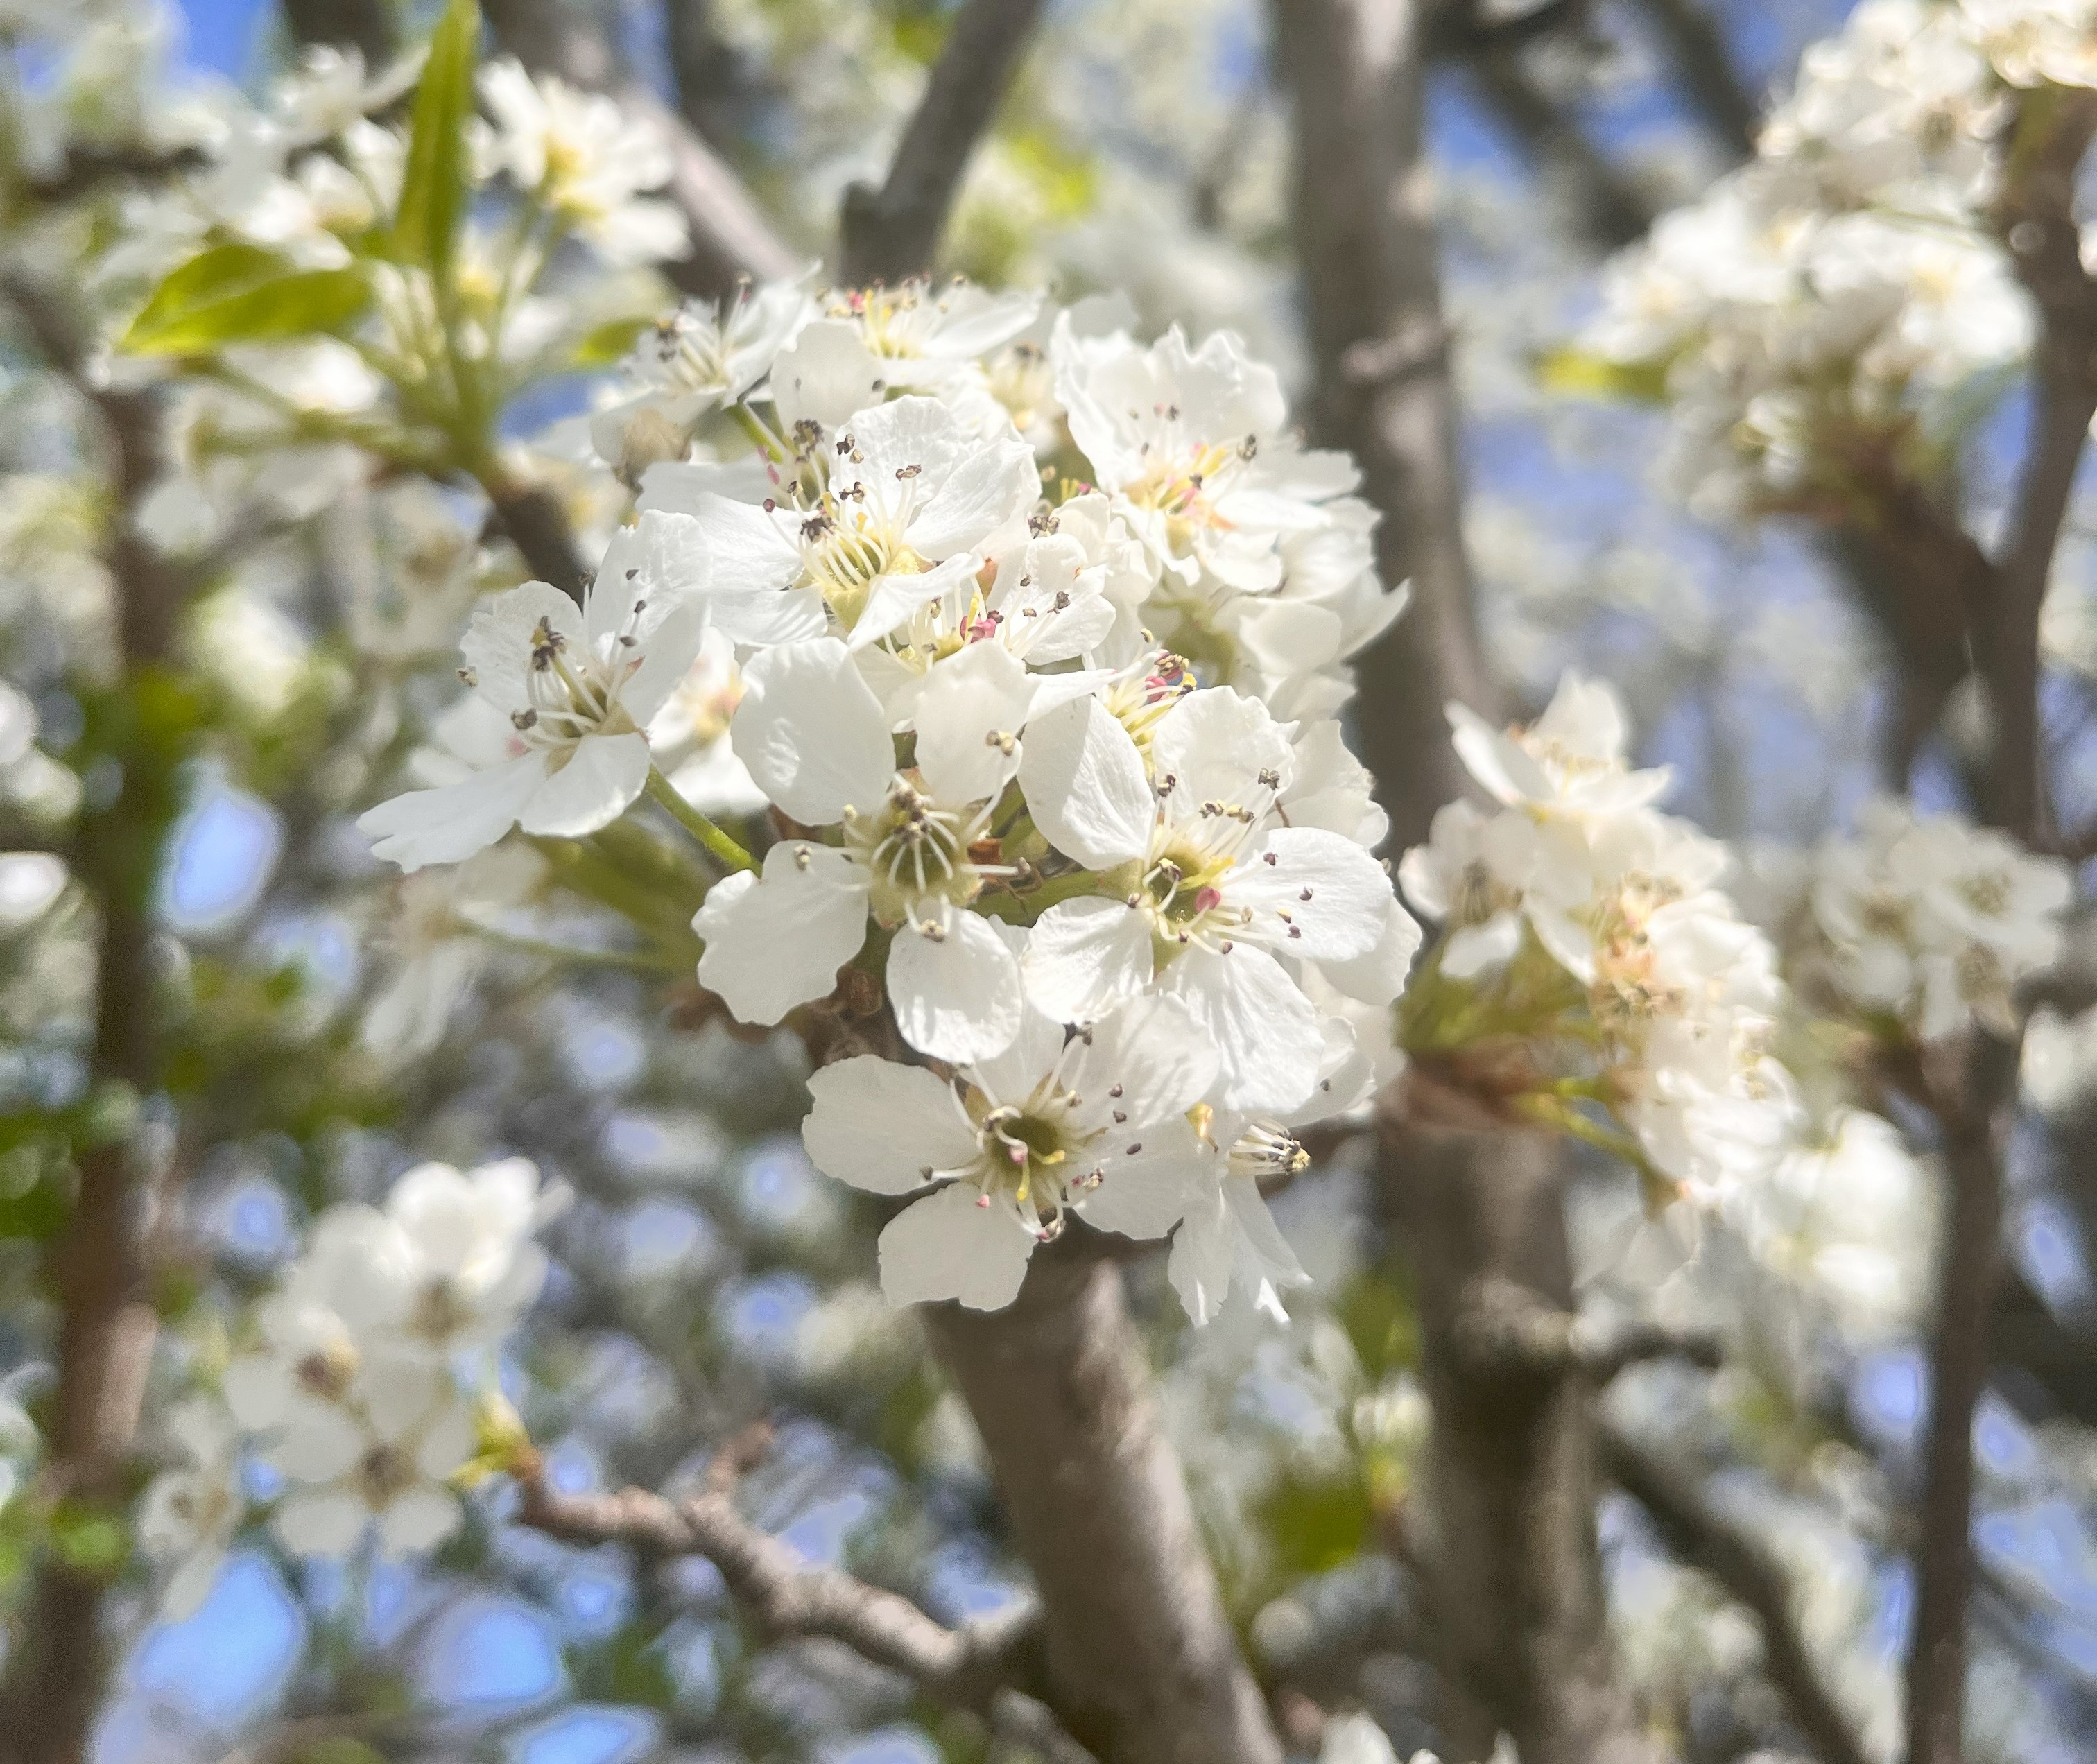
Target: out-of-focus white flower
(2059,1061)
(430,934)
(585,159)
(1933,922)
(380,1466)
(190,1511)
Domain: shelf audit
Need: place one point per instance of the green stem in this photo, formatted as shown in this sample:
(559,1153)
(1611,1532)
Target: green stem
(753,425)
(697,825)
(636,960)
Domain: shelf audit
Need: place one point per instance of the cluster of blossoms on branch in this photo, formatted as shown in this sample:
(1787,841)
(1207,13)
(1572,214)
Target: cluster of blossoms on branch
(1589,961)
(1922,926)
(357,1394)
(1044,717)
(1817,320)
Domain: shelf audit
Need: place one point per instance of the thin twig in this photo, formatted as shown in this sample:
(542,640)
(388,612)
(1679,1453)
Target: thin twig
(2037,222)
(966,1668)
(1703,1537)
(892,232)
(1502,1330)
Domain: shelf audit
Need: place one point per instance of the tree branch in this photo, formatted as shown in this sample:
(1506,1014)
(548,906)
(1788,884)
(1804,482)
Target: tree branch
(1975,1117)
(966,1668)
(893,232)
(1523,1639)
(531,516)
(1704,1538)
(2037,222)
(107,1324)
(732,240)
(1616,211)
(1699,49)
(1142,1664)
(1504,1330)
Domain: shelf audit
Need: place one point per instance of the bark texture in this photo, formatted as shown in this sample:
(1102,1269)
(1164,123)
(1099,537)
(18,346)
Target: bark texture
(1516,1590)
(1142,1665)
(1516,1584)
(893,232)
(59,1663)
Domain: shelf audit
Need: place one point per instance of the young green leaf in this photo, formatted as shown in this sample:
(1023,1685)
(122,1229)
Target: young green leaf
(433,188)
(241,293)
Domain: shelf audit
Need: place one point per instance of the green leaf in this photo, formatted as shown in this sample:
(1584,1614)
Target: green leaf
(241,293)
(1579,374)
(433,188)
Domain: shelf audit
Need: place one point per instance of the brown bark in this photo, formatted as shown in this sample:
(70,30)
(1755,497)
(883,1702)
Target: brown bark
(1142,1664)
(892,232)
(1365,239)
(1975,1119)
(1516,1591)
(2037,222)
(58,1665)
(1517,1597)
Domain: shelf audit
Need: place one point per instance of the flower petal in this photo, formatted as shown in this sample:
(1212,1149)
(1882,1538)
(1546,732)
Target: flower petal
(1085,785)
(778,941)
(883,1127)
(1264,1028)
(603,777)
(449,824)
(955,989)
(812,731)
(1144,1193)
(1086,956)
(951,1245)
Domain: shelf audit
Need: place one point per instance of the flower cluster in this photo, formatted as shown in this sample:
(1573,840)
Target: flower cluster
(1587,955)
(1056,774)
(1816,313)
(357,1390)
(1929,922)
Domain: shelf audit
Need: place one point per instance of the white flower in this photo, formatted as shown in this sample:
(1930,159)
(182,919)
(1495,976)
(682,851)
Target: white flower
(472,1267)
(1206,891)
(1934,922)
(577,688)
(349,1289)
(382,1464)
(705,355)
(881,516)
(583,157)
(816,741)
(690,733)
(1096,1123)
(1485,876)
(1570,760)
(428,930)
(189,1512)
(1190,443)
(914,337)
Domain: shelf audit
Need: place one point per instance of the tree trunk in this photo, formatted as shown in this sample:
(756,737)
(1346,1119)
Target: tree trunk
(1142,1664)
(1518,1597)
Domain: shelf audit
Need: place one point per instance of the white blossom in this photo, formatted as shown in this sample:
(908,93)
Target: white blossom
(1095,1124)
(577,687)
